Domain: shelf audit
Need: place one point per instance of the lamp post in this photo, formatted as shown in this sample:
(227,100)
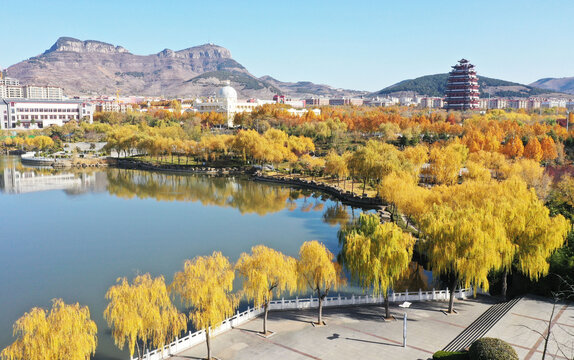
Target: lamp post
(405,306)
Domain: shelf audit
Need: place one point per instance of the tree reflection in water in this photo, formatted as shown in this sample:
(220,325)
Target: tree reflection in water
(236,192)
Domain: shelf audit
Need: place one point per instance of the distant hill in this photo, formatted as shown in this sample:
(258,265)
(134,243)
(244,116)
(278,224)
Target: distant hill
(95,68)
(565,85)
(435,85)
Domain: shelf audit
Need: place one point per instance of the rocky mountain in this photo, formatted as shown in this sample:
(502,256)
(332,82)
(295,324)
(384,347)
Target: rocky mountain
(93,67)
(307,88)
(565,85)
(435,85)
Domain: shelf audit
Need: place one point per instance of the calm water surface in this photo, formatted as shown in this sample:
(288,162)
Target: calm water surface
(71,234)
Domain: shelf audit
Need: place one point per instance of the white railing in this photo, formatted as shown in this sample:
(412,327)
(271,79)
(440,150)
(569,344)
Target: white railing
(198,337)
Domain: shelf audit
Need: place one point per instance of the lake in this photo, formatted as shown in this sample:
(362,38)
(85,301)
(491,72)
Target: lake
(70,234)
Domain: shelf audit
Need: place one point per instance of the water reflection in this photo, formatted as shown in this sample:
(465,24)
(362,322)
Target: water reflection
(239,193)
(17,179)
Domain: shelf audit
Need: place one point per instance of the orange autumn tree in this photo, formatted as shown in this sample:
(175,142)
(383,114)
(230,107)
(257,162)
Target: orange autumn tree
(514,148)
(533,150)
(548,146)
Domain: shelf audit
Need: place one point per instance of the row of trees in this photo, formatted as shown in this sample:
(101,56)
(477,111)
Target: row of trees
(274,146)
(468,230)
(142,315)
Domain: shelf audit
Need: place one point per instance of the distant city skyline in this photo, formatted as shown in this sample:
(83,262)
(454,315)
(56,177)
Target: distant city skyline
(364,45)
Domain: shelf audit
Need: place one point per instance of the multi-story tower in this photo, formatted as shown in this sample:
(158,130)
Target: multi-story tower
(462,87)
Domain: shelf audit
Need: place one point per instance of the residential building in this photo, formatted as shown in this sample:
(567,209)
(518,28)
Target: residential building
(345,102)
(317,101)
(43,92)
(112,106)
(432,102)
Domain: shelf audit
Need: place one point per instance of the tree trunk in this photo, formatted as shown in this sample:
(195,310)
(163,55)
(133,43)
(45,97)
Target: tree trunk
(208,343)
(504,282)
(364,185)
(452,289)
(320,317)
(265,318)
(387,311)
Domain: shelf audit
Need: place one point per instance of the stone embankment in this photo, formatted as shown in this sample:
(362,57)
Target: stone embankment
(141,165)
(79,163)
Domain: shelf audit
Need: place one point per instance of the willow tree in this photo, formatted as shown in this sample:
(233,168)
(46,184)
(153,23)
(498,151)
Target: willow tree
(463,243)
(66,332)
(376,254)
(266,272)
(142,315)
(529,226)
(318,272)
(205,284)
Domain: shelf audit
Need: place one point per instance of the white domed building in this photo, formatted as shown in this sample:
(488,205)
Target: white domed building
(226,103)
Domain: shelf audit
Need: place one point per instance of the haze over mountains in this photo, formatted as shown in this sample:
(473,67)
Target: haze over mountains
(565,85)
(97,68)
(93,67)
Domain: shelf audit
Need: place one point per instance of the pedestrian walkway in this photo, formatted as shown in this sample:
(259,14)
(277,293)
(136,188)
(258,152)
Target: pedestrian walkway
(526,326)
(351,333)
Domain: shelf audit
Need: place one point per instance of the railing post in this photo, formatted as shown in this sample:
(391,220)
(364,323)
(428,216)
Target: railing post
(420,295)
(339,299)
(282,303)
(407,295)
(433,294)
(311,301)
(297,302)
(447,294)
(353,299)
(394,300)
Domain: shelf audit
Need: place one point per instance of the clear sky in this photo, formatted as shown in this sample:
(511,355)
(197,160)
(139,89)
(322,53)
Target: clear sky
(363,45)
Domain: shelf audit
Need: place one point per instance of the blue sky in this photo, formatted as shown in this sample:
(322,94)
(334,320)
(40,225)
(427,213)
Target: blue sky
(364,45)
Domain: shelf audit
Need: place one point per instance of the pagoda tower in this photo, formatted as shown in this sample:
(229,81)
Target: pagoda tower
(462,87)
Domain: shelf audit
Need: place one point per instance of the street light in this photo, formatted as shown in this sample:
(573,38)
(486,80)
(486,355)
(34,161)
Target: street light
(405,306)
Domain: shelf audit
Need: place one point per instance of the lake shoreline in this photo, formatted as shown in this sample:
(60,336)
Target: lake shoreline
(346,197)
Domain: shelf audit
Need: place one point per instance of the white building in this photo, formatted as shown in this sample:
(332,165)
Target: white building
(10,88)
(226,103)
(23,114)
(43,92)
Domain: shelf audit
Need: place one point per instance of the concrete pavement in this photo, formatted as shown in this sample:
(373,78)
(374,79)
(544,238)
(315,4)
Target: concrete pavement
(350,333)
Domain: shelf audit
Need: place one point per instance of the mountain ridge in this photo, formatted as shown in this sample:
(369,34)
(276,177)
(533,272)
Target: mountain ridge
(563,84)
(92,67)
(435,85)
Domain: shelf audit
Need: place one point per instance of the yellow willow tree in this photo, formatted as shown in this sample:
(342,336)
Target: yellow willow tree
(464,243)
(376,254)
(205,284)
(142,315)
(266,272)
(66,332)
(529,226)
(318,272)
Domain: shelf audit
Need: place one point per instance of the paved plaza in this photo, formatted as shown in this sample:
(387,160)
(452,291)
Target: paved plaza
(350,333)
(525,327)
(361,333)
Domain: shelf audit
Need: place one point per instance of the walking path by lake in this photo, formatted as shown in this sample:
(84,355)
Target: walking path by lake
(361,332)
(351,333)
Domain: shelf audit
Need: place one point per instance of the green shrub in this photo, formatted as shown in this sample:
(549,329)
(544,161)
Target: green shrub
(450,355)
(491,349)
